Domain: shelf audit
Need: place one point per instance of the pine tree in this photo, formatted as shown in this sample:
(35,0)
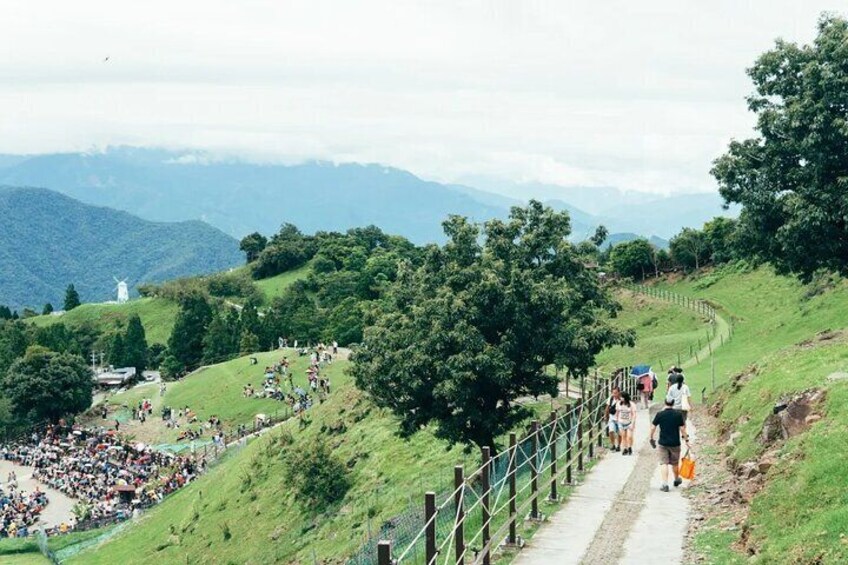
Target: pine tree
(186,342)
(72,298)
(116,349)
(48,309)
(219,343)
(135,345)
(249,343)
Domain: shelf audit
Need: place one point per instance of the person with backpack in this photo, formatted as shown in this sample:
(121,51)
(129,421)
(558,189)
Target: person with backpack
(625,414)
(680,395)
(672,427)
(609,414)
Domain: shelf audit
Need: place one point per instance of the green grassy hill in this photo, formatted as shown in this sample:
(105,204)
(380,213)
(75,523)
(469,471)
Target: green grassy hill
(664,331)
(157,316)
(244,511)
(275,286)
(217,391)
(781,347)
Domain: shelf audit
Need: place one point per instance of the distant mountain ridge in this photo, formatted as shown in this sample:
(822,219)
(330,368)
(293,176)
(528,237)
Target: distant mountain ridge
(49,240)
(240,197)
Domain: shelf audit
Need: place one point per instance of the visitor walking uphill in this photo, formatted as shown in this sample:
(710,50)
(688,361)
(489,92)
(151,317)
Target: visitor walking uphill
(672,427)
(609,414)
(680,394)
(625,415)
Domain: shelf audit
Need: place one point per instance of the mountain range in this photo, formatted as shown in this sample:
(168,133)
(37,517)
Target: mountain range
(240,197)
(49,240)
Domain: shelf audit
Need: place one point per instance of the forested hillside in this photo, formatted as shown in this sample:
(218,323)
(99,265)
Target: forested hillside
(49,241)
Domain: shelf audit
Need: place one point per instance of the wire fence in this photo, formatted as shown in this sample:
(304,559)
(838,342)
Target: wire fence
(718,333)
(468,518)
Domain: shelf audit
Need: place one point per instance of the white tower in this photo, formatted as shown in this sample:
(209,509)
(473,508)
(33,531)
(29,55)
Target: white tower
(123,291)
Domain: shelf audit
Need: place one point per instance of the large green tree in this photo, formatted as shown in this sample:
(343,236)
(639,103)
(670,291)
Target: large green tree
(72,298)
(44,385)
(792,179)
(634,259)
(457,341)
(135,345)
(252,245)
(185,345)
(690,248)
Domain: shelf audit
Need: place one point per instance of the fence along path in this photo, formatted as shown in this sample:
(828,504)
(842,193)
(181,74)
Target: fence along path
(483,511)
(481,514)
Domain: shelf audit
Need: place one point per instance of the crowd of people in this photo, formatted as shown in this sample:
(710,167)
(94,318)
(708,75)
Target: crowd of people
(278,380)
(107,475)
(19,510)
(621,413)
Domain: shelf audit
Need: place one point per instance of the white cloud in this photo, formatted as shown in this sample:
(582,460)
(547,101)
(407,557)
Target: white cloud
(641,95)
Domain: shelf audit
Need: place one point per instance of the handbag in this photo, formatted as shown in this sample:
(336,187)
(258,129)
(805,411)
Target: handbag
(687,467)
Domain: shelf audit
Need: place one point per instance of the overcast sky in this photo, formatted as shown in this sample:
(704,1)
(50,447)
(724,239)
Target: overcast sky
(636,94)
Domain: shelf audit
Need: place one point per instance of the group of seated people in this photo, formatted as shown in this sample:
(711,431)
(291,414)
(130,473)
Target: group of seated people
(107,475)
(295,396)
(19,510)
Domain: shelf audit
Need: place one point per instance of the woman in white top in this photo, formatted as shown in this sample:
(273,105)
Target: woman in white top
(625,415)
(680,394)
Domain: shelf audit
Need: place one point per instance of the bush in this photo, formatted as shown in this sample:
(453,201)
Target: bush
(318,477)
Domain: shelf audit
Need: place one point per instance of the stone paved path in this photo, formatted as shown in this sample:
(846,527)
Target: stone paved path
(617,515)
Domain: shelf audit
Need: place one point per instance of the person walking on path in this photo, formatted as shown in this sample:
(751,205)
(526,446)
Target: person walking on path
(681,395)
(612,425)
(625,414)
(646,390)
(672,427)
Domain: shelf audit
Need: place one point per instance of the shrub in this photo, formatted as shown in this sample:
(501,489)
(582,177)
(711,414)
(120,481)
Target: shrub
(319,479)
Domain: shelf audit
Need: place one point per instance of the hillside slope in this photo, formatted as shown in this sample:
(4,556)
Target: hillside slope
(790,345)
(49,241)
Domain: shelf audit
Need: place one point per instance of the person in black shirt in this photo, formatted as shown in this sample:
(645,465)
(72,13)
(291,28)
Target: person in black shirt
(672,427)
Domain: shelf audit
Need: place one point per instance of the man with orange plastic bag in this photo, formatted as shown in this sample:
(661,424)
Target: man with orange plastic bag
(672,427)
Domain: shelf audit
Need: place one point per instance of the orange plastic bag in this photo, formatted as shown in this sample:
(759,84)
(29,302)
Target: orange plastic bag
(687,467)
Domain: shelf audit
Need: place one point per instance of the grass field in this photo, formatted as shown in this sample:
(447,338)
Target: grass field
(275,286)
(217,390)
(664,331)
(157,316)
(801,515)
(244,511)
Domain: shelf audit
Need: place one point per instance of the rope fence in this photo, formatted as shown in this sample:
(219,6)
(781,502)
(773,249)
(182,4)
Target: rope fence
(466,522)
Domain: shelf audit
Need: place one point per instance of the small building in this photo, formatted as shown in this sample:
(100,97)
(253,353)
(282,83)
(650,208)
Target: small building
(115,377)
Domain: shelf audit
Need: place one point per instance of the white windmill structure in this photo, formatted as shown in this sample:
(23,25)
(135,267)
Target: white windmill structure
(123,290)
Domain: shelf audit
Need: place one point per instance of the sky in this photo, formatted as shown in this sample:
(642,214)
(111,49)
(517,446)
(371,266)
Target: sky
(638,95)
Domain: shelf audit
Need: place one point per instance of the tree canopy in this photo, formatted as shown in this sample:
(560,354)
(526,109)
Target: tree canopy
(72,298)
(460,338)
(44,385)
(792,180)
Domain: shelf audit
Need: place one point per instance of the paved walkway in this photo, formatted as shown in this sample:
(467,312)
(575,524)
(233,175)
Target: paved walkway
(59,506)
(617,515)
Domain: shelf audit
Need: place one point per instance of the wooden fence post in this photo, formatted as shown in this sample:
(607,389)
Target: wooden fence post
(534,471)
(484,503)
(513,454)
(580,437)
(430,520)
(384,553)
(569,450)
(459,529)
(554,436)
